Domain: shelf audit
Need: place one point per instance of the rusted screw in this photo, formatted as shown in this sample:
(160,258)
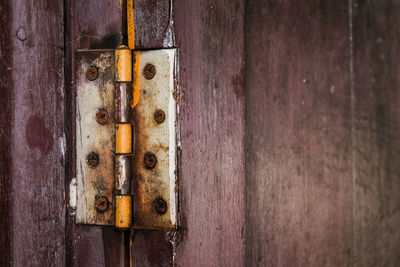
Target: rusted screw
(101,203)
(149,160)
(102,116)
(93,159)
(149,71)
(159,116)
(92,73)
(160,205)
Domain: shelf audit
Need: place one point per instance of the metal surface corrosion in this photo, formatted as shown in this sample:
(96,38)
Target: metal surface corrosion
(94,140)
(152,183)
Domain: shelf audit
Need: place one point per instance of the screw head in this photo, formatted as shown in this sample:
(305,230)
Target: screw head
(149,71)
(101,203)
(93,160)
(160,206)
(92,73)
(159,116)
(102,116)
(150,160)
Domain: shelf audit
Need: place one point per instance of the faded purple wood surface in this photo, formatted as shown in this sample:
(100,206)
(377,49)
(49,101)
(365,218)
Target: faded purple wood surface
(32,133)
(323,125)
(298,152)
(210,37)
(6,158)
(376,101)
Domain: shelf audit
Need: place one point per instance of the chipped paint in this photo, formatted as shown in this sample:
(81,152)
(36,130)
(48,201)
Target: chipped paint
(160,139)
(72,195)
(94,137)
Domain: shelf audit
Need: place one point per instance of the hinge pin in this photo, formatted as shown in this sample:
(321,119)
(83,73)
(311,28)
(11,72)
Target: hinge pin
(123,138)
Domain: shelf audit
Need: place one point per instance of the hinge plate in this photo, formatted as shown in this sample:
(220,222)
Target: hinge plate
(155,131)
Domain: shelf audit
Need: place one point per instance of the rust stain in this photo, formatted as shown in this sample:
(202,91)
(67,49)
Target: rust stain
(95,119)
(153,189)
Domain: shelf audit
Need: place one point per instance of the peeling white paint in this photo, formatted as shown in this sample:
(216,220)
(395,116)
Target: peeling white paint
(72,195)
(161,139)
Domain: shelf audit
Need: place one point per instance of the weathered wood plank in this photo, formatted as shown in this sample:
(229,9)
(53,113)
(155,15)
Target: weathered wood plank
(210,37)
(6,115)
(152,248)
(153,29)
(376,100)
(87,29)
(153,24)
(32,133)
(298,154)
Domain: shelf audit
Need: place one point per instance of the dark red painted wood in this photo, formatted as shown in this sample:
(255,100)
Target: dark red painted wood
(6,114)
(32,133)
(376,101)
(298,154)
(210,38)
(153,24)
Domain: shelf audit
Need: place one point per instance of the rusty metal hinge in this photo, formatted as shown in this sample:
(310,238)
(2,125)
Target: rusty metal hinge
(126,132)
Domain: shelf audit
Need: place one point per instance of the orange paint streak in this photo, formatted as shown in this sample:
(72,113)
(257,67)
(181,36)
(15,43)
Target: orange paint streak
(123,212)
(131,24)
(136,80)
(123,138)
(123,61)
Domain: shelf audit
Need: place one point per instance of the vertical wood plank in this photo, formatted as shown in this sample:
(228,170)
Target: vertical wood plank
(210,37)
(153,24)
(376,127)
(87,28)
(153,29)
(298,113)
(6,115)
(32,128)
(102,246)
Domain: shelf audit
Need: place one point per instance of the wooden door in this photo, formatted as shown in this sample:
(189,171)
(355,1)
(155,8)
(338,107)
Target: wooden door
(289,127)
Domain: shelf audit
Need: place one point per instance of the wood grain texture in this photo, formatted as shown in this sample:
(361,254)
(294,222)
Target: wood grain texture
(6,115)
(210,37)
(298,154)
(376,100)
(32,137)
(153,248)
(153,24)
